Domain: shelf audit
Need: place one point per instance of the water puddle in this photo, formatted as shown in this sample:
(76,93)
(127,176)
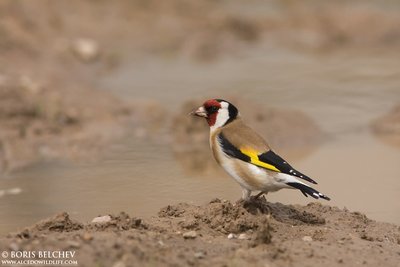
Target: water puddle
(342,93)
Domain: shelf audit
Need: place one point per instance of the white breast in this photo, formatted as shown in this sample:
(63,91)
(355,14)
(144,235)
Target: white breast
(228,166)
(266,181)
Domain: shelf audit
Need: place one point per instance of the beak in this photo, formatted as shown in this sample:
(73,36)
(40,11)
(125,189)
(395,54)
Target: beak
(200,112)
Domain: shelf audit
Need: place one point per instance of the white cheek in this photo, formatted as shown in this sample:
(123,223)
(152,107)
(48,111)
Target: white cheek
(222,118)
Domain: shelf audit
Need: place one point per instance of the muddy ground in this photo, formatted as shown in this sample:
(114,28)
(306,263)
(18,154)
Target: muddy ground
(220,233)
(52,52)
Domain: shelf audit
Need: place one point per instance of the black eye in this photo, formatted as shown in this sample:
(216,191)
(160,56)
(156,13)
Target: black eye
(212,109)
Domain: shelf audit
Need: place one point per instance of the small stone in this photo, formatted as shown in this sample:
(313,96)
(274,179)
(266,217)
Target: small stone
(102,219)
(307,238)
(87,237)
(190,235)
(199,255)
(231,236)
(367,237)
(161,243)
(243,236)
(86,49)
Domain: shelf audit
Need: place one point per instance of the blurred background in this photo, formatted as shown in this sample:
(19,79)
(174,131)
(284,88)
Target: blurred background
(94,97)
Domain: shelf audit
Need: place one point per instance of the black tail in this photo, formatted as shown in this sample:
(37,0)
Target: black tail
(306,190)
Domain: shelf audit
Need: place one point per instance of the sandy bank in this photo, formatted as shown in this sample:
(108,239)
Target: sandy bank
(220,233)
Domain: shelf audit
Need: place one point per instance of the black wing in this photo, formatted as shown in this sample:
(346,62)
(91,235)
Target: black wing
(231,150)
(268,160)
(271,158)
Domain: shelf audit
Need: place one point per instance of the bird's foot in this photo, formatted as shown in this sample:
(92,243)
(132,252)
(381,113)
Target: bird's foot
(258,195)
(257,205)
(252,200)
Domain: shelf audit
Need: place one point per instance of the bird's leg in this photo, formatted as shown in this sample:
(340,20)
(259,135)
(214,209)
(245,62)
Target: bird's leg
(256,197)
(245,196)
(261,205)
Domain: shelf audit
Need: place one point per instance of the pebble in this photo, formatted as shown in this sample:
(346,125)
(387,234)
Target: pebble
(102,219)
(307,238)
(87,237)
(231,236)
(190,235)
(86,49)
(243,236)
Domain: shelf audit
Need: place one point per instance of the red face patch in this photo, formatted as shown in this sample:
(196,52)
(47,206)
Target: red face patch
(211,103)
(212,106)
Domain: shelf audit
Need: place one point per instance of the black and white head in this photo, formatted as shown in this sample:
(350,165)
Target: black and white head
(217,112)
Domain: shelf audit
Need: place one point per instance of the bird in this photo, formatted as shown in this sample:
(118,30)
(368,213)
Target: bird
(246,156)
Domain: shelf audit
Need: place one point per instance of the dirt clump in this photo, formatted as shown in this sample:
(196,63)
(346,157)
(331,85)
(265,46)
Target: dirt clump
(58,223)
(225,217)
(220,233)
(118,222)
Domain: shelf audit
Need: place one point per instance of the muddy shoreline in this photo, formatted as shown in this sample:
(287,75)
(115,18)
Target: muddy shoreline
(60,75)
(220,233)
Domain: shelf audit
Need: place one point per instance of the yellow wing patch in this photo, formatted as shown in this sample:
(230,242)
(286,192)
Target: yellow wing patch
(254,159)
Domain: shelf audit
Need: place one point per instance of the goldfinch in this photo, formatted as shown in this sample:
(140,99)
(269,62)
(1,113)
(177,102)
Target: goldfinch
(245,156)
